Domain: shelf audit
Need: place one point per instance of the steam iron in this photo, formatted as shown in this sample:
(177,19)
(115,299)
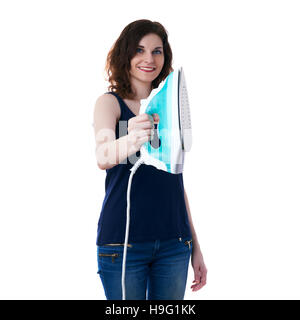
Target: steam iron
(173,134)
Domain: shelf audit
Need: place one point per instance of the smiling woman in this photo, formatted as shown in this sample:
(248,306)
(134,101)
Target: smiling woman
(130,45)
(148,62)
(161,237)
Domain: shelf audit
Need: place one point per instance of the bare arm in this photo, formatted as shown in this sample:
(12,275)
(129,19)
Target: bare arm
(200,270)
(109,150)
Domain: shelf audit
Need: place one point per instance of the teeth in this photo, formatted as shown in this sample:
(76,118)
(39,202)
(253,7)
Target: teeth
(146,68)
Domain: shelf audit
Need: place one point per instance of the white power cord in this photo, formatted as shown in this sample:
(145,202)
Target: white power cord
(133,170)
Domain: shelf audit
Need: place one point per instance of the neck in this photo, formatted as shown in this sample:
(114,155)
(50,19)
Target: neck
(142,89)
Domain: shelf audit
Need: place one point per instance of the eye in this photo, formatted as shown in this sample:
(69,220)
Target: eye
(137,50)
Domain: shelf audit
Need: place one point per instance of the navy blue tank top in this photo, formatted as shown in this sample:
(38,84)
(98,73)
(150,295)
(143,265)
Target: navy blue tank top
(157,205)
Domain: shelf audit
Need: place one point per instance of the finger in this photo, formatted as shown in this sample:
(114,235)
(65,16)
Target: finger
(142,117)
(195,282)
(197,279)
(155,117)
(198,286)
(151,120)
(144,134)
(144,125)
(143,140)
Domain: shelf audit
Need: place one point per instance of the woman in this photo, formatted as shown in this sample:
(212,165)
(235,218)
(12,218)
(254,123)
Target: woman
(161,234)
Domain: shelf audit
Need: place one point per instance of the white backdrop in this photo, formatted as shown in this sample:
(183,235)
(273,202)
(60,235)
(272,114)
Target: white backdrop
(241,62)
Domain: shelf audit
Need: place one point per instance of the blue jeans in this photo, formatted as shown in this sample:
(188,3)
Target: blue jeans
(156,268)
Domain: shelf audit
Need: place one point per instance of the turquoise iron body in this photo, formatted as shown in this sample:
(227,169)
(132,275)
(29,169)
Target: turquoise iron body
(173,134)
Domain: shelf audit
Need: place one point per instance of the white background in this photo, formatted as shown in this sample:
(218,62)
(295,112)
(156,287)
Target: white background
(241,62)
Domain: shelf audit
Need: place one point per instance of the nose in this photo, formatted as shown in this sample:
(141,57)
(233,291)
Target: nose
(149,57)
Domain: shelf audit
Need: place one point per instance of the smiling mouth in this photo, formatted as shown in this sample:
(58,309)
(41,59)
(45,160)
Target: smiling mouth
(146,69)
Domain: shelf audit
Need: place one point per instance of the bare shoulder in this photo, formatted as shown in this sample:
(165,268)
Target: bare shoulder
(106,115)
(108,103)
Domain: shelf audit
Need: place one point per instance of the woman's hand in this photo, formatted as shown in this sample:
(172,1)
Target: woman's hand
(140,129)
(199,267)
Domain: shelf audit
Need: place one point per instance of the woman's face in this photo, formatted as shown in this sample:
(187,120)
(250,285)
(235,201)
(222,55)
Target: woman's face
(148,54)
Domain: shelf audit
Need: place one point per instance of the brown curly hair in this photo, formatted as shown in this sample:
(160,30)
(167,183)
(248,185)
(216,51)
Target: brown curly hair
(124,49)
